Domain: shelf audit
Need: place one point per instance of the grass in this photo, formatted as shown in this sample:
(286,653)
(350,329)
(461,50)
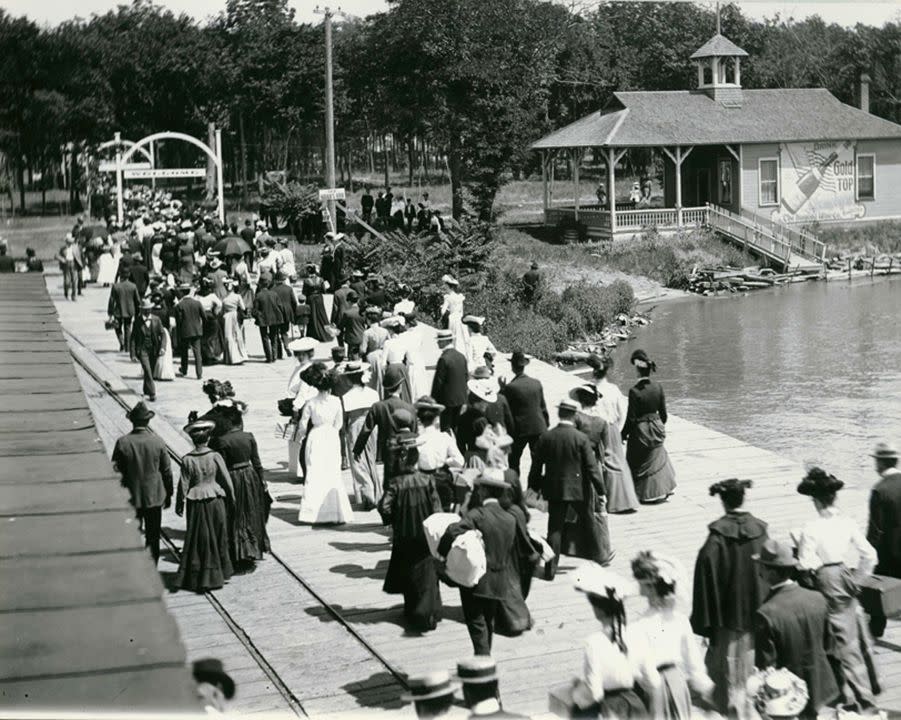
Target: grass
(870,239)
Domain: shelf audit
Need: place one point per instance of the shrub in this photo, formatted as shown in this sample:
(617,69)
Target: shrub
(523,328)
(597,305)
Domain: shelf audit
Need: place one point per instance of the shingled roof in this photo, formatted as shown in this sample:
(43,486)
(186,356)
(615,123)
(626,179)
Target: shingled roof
(651,119)
(718,46)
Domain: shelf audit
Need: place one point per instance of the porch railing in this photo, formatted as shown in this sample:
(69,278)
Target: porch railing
(803,242)
(749,232)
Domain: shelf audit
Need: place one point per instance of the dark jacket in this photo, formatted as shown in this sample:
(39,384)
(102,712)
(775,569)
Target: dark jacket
(124,300)
(339,305)
(526,398)
(143,460)
(266,308)
(563,465)
(595,429)
(727,586)
(791,630)
(645,398)
(287,302)
(139,275)
(238,446)
(378,297)
(148,339)
(449,386)
(884,528)
(189,317)
(504,542)
(381,416)
(353,325)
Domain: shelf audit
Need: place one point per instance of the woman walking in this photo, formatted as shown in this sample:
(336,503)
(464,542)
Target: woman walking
(652,471)
(206,488)
(612,406)
(452,311)
(834,551)
(313,288)
(212,345)
(325,498)
(356,403)
(233,312)
(251,507)
(408,500)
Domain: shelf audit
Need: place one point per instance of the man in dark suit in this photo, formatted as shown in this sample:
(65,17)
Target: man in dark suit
(566,472)
(122,307)
(884,527)
(525,396)
(791,627)
(366,204)
(339,303)
(385,415)
(449,386)
(339,251)
(506,549)
(358,283)
(268,316)
(139,275)
(352,326)
(376,295)
(148,340)
(143,460)
(189,320)
(287,305)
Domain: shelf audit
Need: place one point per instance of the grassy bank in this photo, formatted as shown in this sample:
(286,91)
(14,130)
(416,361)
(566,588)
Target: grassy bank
(870,239)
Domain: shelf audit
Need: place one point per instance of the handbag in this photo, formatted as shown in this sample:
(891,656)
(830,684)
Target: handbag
(286,407)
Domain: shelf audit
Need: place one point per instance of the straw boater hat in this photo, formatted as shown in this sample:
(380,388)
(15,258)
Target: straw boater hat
(393,321)
(373,311)
(818,482)
(777,693)
(476,320)
(304,344)
(449,280)
(353,368)
(147,304)
(884,451)
(477,670)
(567,404)
(776,554)
(427,402)
(429,686)
(140,413)
(492,477)
(198,427)
(444,336)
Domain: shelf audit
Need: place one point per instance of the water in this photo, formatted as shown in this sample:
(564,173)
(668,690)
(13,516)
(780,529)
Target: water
(811,372)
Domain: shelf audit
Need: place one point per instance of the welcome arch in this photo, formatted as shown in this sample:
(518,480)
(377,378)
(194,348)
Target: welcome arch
(215,156)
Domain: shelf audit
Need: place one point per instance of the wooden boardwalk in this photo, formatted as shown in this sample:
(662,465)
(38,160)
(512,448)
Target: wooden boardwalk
(329,673)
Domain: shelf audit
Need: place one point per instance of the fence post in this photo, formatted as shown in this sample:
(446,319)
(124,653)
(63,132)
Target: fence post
(849,268)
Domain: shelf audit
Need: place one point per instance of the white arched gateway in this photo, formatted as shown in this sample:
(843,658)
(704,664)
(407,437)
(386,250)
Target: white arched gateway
(216,157)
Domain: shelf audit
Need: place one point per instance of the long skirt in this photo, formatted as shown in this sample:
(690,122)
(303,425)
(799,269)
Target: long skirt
(324,499)
(367,485)
(235,351)
(251,510)
(620,703)
(205,562)
(458,331)
(211,346)
(730,662)
(652,471)
(318,325)
(375,366)
(107,266)
(672,699)
(164,368)
(413,572)
(853,644)
(621,497)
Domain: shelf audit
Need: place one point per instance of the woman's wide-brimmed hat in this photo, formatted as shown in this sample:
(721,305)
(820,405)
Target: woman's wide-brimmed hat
(211,670)
(427,402)
(140,413)
(449,280)
(304,344)
(818,482)
(429,686)
(777,693)
(198,427)
(586,394)
(484,388)
(597,581)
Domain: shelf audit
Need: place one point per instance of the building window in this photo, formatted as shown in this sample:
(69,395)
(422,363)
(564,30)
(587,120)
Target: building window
(866,177)
(768,172)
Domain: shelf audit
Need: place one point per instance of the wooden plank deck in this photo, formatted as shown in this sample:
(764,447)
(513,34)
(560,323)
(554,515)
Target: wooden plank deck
(346,565)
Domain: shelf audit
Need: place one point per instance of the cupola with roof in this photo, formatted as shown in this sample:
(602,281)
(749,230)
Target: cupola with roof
(719,70)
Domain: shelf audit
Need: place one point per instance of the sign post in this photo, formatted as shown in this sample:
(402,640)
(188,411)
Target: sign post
(219,183)
(120,201)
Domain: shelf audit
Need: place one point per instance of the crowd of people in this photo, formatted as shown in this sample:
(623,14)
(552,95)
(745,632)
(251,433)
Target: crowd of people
(439,459)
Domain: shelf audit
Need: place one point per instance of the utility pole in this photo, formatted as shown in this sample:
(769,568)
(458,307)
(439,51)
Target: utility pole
(329,115)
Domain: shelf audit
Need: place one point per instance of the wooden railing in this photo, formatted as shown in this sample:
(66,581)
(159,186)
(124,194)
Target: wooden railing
(750,233)
(803,242)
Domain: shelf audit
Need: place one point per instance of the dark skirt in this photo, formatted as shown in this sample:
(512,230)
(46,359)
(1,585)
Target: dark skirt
(620,703)
(652,471)
(250,539)
(213,345)
(587,540)
(413,572)
(318,326)
(205,562)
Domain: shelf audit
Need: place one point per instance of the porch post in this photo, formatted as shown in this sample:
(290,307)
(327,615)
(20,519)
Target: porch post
(576,157)
(544,183)
(611,189)
(678,186)
(551,162)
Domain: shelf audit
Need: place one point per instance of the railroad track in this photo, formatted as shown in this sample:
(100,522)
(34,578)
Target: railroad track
(119,396)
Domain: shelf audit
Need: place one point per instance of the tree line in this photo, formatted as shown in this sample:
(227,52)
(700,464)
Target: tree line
(459,87)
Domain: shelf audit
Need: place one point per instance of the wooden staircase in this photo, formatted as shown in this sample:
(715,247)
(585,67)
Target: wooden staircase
(784,246)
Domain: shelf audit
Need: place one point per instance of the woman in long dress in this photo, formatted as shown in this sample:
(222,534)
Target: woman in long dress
(356,403)
(164,367)
(662,646)
(394,353)
(301,392)
(251,509)
(107,267)
(420,384)
(325,499)
(241,275)
(206,488)
(409,499)
(374,338)
(211,345)
(452,310)
(837,557)
(613,407)
(607,686)
(233,310)
(313,288)
(652,471)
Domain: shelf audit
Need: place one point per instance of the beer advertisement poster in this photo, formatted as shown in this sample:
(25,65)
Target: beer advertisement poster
(818,182)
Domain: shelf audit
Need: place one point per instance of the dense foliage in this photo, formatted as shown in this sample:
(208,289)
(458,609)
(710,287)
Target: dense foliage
(461,85)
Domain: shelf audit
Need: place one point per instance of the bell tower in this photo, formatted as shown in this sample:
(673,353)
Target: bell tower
(719,70)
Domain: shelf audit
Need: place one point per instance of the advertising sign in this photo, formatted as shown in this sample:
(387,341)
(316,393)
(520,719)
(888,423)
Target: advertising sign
(818,182)
(164,173)
(332,194)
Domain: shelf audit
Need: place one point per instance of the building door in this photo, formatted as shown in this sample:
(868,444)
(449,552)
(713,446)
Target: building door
(703,191)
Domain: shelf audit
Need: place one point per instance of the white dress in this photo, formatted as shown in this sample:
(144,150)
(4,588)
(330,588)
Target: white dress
(453,306)
(416,370)
(301,393)
(325,499)
(612,405)
(107,267)
(164,368)
(477,345)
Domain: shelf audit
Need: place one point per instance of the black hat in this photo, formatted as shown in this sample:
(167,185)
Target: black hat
(730,485)
(140,413)
(352,297)
(393,378)
(818,482)
(534,265)
(640,359)
(210,670)
(519,358)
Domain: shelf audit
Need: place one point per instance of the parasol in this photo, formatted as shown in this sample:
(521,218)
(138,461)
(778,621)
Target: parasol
(92,231)
(231,245)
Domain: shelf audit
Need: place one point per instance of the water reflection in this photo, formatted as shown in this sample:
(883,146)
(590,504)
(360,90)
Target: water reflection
(812,372)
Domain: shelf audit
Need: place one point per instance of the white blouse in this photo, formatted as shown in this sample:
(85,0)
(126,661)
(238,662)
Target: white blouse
(834,538)
(438,449)
(298,388)
(395,349)
(477,345)
(453,303)
(605,667)
(358,398)
(612,405)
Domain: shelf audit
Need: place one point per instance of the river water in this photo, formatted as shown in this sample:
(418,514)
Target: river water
(811,372)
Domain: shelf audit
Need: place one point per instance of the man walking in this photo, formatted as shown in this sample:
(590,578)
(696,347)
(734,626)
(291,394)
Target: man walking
(791,627)
(287,305)
(148,340)
(449,386)
(268,316)
(566,472)
(122,307)
(189,320)
(884,528)
(71,263)
(352,326)
(525,396)
(142,459)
